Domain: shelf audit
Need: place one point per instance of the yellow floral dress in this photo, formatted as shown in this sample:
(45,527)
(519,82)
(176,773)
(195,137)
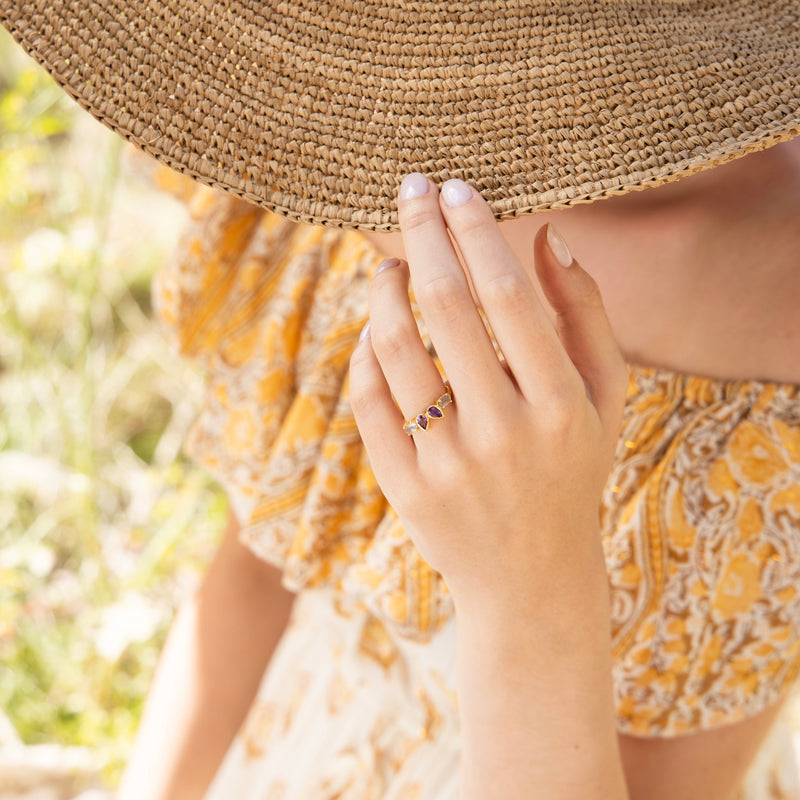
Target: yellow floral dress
(700,522)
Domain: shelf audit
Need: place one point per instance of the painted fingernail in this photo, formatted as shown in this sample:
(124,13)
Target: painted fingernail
(558,247)
(387,263)
(456,192)
(414,184)
(364,333)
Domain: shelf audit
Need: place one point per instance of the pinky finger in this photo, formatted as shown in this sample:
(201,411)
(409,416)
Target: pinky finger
(390,449)
(582,323)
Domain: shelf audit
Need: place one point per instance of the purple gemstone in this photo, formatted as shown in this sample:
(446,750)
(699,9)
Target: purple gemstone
(435,412)
(422,421)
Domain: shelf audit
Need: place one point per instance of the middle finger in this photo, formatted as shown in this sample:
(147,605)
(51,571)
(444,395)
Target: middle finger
(507,295)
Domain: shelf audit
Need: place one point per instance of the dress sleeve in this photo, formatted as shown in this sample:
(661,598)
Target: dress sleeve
(272,310)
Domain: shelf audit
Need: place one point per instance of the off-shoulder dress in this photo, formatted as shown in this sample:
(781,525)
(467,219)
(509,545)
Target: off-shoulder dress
(700,525)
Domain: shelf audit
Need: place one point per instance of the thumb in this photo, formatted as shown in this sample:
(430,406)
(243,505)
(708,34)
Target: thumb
(582,323)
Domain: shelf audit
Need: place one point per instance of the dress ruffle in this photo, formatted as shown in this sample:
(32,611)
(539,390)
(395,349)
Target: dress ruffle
(273,309)
(700,517)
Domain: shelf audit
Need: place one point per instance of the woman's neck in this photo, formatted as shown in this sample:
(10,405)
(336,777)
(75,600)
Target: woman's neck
(701,275)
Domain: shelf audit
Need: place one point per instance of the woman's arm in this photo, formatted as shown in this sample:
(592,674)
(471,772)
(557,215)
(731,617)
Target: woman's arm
(533,706)
(501,495)
(215,656)
(535,695)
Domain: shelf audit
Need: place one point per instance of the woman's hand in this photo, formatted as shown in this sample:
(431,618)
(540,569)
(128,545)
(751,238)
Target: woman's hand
(501,494)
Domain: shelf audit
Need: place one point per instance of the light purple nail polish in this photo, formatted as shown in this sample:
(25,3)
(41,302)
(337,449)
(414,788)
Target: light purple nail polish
(387,263)
(456,192)
(364,333)
(414,184)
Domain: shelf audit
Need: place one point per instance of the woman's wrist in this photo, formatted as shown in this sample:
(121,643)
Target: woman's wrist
(536,699)
(567,594)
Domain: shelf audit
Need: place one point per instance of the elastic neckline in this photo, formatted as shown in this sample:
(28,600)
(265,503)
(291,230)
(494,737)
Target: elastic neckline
(702,385)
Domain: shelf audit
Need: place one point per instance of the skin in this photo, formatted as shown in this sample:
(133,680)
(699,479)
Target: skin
(208,674)
(693,246)
(530,429)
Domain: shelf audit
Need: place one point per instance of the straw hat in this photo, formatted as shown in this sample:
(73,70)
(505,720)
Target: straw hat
(317,109)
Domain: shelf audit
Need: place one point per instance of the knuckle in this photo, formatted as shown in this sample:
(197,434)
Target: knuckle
(492,438)
(360,403)
(509,291)
(561,419)
(476,223)
(358,362)
(363,383)
(392,338)
(444,293)
(452,470)
(564,404)
(419,218)
(587,294)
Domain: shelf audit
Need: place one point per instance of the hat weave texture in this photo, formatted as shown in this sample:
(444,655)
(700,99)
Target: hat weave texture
(317,110)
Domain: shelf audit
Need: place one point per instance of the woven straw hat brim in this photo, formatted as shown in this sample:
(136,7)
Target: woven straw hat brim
(317,110)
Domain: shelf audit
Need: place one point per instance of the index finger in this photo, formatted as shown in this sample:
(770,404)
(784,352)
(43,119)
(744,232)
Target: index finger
(444,297)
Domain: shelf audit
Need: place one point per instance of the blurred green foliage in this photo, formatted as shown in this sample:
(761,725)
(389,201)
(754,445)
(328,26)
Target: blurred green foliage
(104,526)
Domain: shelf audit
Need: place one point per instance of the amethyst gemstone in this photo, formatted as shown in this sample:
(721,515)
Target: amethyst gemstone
(435,412)
(422,421)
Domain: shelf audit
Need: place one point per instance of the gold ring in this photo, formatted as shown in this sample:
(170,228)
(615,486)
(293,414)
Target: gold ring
(421,421)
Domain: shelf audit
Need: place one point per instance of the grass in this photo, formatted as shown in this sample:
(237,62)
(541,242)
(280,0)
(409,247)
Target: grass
(104,525)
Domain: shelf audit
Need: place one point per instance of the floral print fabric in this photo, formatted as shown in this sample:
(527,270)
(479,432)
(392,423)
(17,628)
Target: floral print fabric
(700,516)
(701,527)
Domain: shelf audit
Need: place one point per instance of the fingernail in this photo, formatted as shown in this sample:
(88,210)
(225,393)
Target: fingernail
(387,263)
(558,247)
(364,333)
(456,192)
(414,184)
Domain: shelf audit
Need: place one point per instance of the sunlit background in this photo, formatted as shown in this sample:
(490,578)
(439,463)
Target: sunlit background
(104,525)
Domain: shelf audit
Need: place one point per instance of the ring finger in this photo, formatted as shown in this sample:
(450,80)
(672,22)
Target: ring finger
(413,377)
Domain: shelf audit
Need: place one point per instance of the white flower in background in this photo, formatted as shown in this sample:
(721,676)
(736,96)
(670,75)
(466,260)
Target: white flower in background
(41,477)
(83,236)
(42,250)
(36,558)
(132,619)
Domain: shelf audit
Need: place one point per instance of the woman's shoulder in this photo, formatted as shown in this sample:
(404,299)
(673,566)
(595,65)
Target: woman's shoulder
(239,268)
